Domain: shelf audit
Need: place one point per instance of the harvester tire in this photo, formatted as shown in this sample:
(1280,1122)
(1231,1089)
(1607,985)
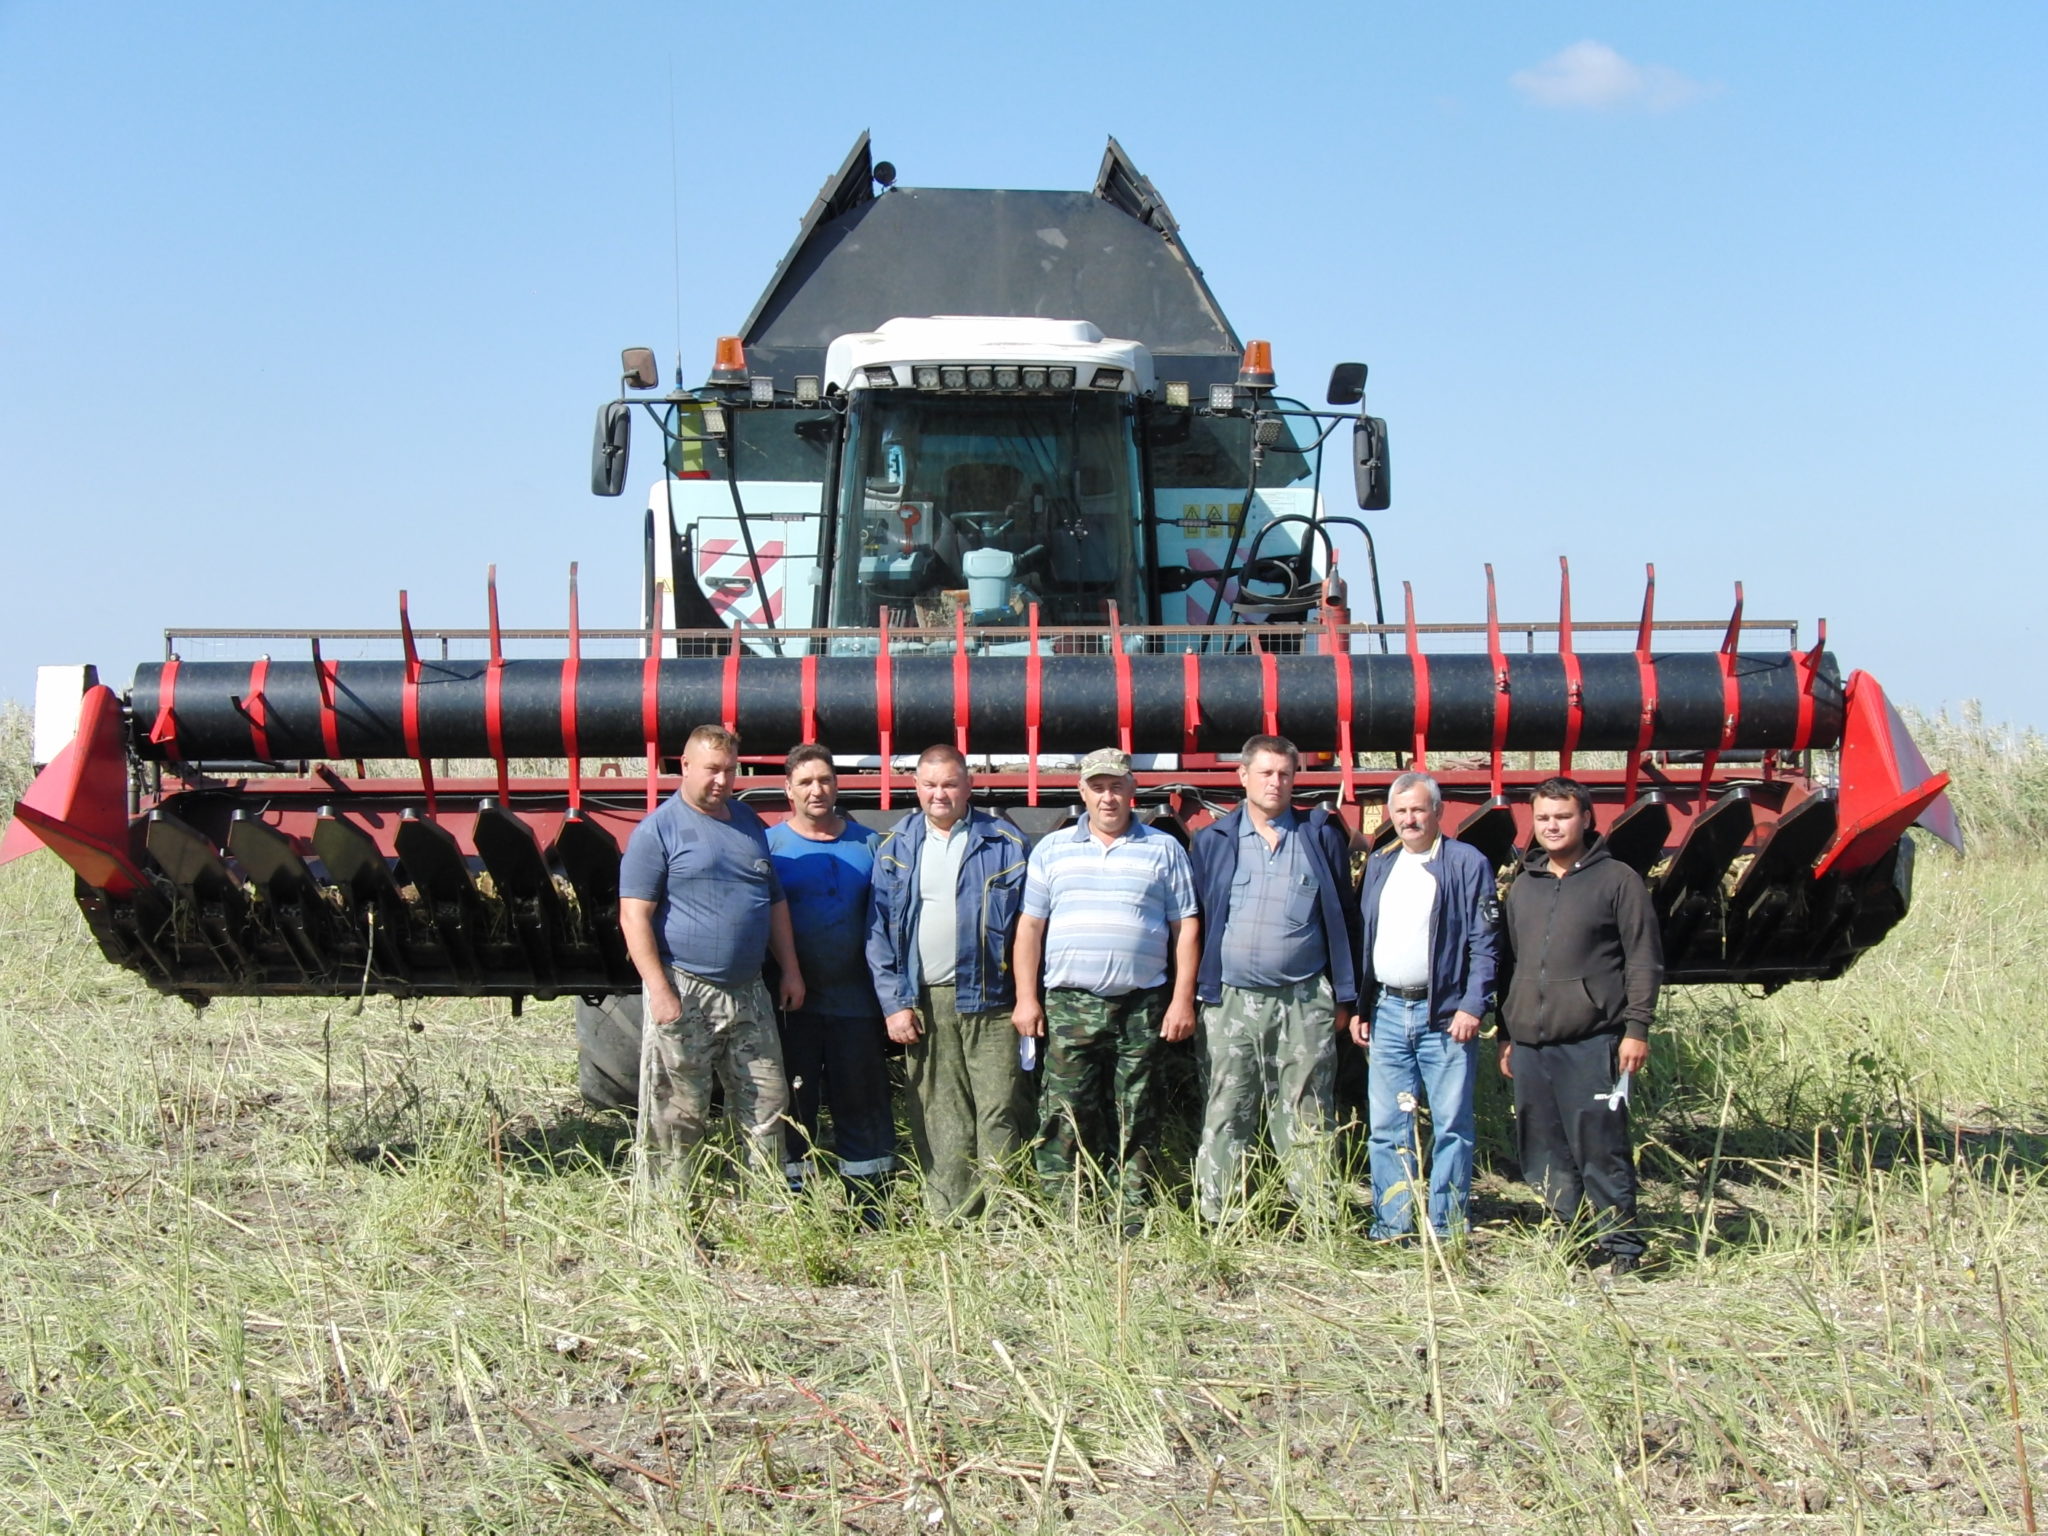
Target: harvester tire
(608,1051)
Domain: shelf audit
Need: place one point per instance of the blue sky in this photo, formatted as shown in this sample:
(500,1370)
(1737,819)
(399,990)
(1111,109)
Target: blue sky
(305,304)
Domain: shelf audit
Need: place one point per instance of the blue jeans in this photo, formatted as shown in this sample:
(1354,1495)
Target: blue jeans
(1408,1057)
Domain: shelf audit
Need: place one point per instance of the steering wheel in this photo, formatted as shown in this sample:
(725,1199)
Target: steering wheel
(985,526)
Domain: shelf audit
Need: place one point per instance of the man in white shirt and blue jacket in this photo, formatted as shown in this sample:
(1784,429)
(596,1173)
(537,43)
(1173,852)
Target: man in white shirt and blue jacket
(1430,907)
(948,889)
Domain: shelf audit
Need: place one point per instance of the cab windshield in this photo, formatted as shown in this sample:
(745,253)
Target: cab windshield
(988,505)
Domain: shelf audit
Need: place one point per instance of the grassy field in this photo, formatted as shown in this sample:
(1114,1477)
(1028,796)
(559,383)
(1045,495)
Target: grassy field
(290,1268)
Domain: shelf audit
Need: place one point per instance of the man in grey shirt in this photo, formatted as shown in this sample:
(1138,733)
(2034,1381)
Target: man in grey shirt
(700,907)
(1279,932)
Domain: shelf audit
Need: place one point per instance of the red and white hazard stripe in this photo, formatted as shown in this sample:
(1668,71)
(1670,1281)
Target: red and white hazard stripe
(728,579)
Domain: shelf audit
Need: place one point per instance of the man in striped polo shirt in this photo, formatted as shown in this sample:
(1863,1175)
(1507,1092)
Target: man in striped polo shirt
(1110,920)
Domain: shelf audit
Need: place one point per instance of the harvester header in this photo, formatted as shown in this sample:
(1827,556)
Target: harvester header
(987,468)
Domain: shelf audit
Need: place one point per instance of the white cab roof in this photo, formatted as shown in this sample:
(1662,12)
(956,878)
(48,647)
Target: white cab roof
(905,342)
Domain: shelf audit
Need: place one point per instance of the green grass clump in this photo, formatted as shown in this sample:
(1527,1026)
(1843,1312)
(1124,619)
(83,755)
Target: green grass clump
(284,1267)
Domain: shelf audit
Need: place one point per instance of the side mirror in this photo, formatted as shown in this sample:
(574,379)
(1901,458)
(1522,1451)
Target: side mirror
(608,449)
(1347,384)
(639,367)
(1369,463)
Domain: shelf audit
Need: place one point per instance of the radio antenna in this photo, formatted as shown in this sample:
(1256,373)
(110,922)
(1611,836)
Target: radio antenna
(675,217)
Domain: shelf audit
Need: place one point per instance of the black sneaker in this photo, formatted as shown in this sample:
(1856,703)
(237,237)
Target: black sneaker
(1621,1264)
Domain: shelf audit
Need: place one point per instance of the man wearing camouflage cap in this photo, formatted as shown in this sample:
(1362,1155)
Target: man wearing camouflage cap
(1106,955)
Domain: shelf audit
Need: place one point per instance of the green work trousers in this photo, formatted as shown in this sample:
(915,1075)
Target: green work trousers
(969,1101)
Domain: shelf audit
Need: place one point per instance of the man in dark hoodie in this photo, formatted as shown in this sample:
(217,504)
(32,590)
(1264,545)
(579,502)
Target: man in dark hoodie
(1587,962)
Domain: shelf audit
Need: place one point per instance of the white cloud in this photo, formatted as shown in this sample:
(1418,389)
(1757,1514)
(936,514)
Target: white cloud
(1592,76)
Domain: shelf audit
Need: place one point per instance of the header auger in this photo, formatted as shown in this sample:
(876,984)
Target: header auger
(1026,537)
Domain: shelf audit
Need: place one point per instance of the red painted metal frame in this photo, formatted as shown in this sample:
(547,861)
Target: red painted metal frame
(1808,663)
(1333,644)
(78,804)
(1646,674)
(330,723)
(1419,663)
(1352,786)
(1120,664)
(962,690)
(1731,697)
(1503,701)
(1034,684)
(1886,784)
(163,731)
(885,703)
(1574,682)
(257,708)
(650,696)
(409,707)
(571,667)
(494,686)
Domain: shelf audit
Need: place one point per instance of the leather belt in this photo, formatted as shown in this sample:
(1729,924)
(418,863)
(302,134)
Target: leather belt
(1406,994)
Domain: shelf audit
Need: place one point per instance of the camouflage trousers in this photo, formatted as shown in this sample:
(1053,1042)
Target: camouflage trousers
(726,1030)
(1097,1096)
(969,1102)
(1269,1051)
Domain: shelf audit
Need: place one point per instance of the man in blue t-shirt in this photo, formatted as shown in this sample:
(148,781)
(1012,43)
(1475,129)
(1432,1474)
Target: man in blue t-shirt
(700,908)
(832,1047)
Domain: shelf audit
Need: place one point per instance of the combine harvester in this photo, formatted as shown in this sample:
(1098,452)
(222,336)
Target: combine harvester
(1066,508)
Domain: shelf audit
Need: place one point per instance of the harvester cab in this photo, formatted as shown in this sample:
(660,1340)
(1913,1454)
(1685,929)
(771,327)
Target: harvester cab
(989,468)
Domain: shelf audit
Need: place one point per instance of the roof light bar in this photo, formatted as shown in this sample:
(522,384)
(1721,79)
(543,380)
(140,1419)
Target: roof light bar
(1029,377)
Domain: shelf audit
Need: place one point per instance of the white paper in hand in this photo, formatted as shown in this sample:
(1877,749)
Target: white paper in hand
(1619,1097)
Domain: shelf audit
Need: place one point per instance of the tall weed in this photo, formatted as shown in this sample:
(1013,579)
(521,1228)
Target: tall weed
(16,741)
(2000,775)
